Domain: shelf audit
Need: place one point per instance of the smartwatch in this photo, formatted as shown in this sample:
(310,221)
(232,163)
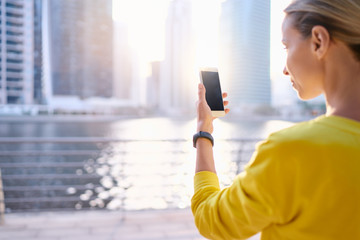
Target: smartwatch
(202,135)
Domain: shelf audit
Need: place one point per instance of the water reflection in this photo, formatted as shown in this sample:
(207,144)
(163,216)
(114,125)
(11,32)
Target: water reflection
(157,174)
(145,174)
(151,167)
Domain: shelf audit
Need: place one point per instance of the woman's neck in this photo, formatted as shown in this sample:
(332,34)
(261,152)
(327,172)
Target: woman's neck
(342,91)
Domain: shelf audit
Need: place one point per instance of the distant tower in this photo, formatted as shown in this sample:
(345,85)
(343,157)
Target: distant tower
(245,51)
(123,86)
(17,49)
(81,35)
(39,96)
(153,83)
(178,79)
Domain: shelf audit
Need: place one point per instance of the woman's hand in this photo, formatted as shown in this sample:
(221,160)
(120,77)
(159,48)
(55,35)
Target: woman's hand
(204,116)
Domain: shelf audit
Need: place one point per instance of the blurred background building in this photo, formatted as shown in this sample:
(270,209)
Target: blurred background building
(81,46)
(123,64)
(66,56)
(177,94)
(17,53)
(245,52)
(39,91)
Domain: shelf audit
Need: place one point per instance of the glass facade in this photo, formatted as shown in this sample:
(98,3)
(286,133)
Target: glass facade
(16,80)
(38,58)
(245,51)
(81,36)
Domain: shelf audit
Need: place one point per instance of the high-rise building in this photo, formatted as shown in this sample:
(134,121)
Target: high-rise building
(123,64)
(17,52)
(39,97)
(153,87)
(178,73)
(81,45)
(245,51)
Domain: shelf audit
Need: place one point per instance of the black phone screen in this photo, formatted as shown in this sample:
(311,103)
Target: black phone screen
(214,98)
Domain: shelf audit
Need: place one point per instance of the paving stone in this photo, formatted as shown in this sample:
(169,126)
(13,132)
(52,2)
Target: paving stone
(18,234)
(31,238)
(102,225)
(71,232)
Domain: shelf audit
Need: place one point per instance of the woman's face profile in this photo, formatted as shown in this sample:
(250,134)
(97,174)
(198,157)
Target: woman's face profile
(302,65)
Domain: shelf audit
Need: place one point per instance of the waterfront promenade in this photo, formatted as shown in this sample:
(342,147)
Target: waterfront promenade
(102,225)
(64,162)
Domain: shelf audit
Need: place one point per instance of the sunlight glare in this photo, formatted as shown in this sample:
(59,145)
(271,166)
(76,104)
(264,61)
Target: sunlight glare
(277,52)
(206,14)
(145,21)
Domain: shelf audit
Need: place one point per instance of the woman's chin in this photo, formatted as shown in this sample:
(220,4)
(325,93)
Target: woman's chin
(304,96)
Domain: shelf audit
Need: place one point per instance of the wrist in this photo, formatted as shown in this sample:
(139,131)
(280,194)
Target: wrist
(205,125)
(203,142)
(200,136)
(204,128)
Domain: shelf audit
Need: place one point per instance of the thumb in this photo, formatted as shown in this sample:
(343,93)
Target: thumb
(201,91)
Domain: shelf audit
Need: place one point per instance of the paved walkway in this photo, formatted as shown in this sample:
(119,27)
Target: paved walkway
(102,225)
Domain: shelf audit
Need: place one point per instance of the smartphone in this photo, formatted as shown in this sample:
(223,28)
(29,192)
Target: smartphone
(210,78)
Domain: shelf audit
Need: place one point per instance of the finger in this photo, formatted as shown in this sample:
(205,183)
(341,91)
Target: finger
(224,95)
(226,103)
(227,111)
(201,91)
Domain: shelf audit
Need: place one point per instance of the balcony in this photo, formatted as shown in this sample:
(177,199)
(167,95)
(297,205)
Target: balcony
(14,29)
(17,3)
(15,84)
(15,11)
(11,21)
(15,66)
(14,93)
(14,56)
(15,39)
(14,75)
(15,47)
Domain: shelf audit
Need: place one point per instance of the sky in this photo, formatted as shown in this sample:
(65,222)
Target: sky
(146,23)
(145,20)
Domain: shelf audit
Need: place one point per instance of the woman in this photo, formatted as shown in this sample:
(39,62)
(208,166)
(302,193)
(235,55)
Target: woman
(302,182)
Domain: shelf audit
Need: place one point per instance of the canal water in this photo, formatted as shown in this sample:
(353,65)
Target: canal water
(150,165)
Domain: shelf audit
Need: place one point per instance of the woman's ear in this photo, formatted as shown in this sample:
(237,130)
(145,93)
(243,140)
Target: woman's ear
(320,41)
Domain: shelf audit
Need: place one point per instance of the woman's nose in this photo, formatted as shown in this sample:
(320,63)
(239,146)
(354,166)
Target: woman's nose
(285,71)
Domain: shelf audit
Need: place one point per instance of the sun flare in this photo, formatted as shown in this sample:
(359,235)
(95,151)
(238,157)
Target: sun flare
(145,22)
(206,14)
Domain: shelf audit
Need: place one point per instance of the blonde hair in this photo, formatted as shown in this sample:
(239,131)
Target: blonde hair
(340,17)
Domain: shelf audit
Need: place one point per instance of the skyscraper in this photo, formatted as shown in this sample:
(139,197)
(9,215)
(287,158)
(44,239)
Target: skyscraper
(153,85)
(178,73)
(39,97)
(245,51)
(81,48)
(122,63)
(17,61)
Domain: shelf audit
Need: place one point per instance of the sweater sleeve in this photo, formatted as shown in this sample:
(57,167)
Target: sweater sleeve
(247,206)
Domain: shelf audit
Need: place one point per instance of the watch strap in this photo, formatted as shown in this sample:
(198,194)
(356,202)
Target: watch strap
(202,134)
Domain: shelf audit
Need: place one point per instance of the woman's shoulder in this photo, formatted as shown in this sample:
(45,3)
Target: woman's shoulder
(309,131)
(321,130)
(297,130)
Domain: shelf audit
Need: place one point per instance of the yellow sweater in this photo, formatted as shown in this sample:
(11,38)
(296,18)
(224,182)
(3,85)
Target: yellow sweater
(302,183)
